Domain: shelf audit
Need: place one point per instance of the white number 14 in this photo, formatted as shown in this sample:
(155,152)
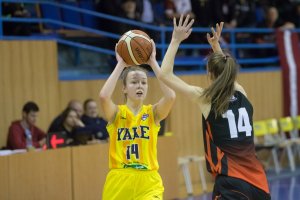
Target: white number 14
(243,123)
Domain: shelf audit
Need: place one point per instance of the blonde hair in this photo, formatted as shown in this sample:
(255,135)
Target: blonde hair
(223,70)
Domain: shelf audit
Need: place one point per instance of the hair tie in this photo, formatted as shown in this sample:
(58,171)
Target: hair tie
(225,58)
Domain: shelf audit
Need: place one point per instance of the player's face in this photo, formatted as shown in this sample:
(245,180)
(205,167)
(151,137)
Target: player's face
(91,109)
(31,117)
(136,85)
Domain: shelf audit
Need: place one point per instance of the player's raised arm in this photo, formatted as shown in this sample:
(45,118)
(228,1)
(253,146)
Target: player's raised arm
(214,42)
(182,30)
(163,107)
(108,107)
(215,38)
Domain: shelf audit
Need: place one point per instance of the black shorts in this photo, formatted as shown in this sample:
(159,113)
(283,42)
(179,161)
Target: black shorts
(229,188)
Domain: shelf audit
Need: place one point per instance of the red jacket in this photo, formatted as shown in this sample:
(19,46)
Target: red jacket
(17,138)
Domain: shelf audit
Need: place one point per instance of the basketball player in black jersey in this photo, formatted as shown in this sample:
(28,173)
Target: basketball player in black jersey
(227,119)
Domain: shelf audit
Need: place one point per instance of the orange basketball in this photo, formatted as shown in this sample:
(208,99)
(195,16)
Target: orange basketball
(135,47)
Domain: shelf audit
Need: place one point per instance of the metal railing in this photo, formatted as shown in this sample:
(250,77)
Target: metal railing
(162,31)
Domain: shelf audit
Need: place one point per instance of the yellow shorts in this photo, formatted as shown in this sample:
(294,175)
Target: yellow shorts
(132,184)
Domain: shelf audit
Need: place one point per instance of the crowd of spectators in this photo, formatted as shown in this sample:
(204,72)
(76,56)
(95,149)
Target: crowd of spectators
(81,124)
(234,14)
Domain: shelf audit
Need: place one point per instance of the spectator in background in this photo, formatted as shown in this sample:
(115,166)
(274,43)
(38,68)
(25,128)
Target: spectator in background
(272,20)
(73,104)
(15,28)
(69,123)
(128,11)
(23,133)
(151,11)
(244,14)
(92,120)
(175,8)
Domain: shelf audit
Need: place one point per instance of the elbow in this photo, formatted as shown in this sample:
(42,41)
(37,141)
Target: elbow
(172,96)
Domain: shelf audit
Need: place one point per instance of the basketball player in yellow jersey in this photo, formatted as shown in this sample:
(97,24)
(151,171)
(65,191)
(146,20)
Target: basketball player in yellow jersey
(133,129)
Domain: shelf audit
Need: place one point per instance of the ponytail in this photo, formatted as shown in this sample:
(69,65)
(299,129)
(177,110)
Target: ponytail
(223,70)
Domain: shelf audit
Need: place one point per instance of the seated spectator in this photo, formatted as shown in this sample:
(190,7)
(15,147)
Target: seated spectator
(92,120)
(243,14)
(272,20)
(15,28)
(69,123)
(175,8)
(128,11)
(145,8)
(23,133)
(75,105)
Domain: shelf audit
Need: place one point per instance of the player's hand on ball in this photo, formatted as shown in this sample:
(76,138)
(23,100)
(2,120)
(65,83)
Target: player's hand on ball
(152,58)
(119,58)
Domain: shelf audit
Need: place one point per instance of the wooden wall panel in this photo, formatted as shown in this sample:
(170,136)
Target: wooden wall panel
(90,167)
(167,153)
(28,72)
(264,90)
(7,90)
(4,171)
(41,175)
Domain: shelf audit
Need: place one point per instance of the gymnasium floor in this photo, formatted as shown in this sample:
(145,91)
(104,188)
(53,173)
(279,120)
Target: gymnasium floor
(284,186)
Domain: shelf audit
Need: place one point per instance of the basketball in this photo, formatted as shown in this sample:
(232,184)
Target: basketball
(135,47)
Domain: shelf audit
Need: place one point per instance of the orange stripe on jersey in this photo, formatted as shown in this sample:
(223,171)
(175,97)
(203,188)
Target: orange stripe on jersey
(255,176)
(209,131)
(218,167)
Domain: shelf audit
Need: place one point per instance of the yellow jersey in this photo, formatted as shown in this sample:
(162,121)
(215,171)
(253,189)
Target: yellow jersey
(133,139)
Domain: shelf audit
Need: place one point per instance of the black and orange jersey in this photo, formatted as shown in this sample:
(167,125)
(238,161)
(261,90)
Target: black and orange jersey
(229,143)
